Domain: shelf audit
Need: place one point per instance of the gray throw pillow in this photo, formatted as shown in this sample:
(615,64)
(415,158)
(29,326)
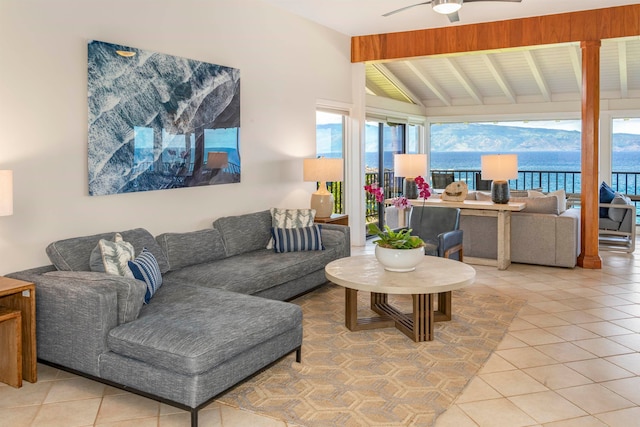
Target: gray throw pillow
(544,205)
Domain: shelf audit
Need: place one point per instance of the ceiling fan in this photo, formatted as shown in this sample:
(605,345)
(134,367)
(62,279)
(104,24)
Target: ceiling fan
(445,7)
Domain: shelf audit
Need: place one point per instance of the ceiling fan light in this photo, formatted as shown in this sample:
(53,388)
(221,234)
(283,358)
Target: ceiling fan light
(446,7)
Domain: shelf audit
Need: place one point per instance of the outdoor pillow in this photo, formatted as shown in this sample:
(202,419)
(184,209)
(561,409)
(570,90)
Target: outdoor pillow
(112,256)
(617,214)
(606,196)
(290,218)
(297,239)
(145,268)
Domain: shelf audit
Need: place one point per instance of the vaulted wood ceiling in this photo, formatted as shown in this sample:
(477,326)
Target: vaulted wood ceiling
(523,75)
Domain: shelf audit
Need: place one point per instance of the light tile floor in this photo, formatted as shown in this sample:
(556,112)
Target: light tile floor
(571,358)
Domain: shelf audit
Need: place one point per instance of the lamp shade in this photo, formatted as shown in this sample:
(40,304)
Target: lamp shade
(322,169)
(446,6)
(499,167)
(6,192)
(217,159)
(410,165)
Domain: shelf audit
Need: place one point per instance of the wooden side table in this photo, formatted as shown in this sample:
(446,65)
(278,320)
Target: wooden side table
(11,347)
(18,295)
(340,219)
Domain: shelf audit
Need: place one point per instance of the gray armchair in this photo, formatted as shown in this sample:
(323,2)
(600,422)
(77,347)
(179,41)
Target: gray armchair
(617,230)
(440,229)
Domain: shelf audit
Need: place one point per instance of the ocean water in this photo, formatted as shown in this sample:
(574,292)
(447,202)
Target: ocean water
(543,161)
(566,161)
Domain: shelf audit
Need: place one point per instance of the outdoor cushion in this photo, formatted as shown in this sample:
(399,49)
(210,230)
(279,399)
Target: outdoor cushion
(606,196)
(617,214)
(190,329)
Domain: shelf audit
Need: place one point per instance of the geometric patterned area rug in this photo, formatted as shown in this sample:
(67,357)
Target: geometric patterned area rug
(377,377)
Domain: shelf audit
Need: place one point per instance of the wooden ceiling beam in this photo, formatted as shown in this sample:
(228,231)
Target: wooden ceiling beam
(494,69)
(537,75)
(431,84)
(624,69)
(597,24)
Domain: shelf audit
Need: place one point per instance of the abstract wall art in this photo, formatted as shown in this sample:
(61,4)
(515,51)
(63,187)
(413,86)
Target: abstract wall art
(158,121)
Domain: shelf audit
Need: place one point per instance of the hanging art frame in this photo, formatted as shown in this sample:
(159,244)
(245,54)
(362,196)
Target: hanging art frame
(159,121)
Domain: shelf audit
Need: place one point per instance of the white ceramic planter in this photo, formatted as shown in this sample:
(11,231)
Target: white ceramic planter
(399,260)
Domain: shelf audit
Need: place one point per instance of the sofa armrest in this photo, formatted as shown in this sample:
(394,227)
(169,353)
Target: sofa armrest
(450,242)
(73,318)
(346,233)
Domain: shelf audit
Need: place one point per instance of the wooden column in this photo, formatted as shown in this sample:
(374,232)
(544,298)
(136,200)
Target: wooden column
(589,256)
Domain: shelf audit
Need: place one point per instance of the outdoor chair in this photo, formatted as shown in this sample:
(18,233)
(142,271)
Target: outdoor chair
(617,229)
(440,180)
(482,184)
(439,228)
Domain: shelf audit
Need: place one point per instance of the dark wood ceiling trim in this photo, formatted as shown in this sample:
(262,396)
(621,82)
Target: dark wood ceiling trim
(598,24)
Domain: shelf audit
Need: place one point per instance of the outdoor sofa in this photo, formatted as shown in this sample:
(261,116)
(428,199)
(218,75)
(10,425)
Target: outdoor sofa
(218,317)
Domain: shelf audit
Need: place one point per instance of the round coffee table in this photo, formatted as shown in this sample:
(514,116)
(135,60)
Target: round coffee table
(433,277)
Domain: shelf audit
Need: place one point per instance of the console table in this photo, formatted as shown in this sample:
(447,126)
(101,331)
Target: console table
(484,208)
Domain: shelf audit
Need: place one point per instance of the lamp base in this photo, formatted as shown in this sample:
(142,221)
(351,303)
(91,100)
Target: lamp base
(323,204)
(500,192)
(410,190)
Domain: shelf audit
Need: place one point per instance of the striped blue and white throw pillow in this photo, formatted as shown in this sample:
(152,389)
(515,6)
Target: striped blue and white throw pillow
(297,239)
(145,267)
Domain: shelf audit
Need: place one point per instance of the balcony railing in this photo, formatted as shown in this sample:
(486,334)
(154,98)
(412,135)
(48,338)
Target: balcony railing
(624,182)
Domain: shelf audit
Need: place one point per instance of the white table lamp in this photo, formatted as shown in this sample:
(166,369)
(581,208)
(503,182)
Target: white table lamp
(321,170)
(500,168)
(410,166)
(6,192)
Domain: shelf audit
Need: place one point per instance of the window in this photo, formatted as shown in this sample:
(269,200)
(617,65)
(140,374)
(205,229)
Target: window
(549,151)
(625,156)
(330,137)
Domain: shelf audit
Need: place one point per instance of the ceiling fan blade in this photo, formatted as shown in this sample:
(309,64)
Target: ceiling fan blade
(405,8)
(512,1)
(453,17)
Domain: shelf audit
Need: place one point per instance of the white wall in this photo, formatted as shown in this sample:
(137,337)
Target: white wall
(286,64)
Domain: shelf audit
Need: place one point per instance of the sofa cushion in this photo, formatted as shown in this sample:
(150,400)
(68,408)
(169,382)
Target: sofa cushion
(259,270)
(112,256)
(189,329)
(129,291)
(617,214)
(606,196)
(291,218)
(145,268)
(194,247)
(74,254)
(297,239)
(244,233)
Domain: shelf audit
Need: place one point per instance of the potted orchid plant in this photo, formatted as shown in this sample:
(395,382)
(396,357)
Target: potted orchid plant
(397,251)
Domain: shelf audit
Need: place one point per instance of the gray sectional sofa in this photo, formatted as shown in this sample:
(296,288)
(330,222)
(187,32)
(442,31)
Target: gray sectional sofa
(544,233)
(219,316)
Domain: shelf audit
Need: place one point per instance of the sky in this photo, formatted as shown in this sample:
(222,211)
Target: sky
(631,126)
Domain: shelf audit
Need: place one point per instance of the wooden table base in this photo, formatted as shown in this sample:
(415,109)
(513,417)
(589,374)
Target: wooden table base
(417,325)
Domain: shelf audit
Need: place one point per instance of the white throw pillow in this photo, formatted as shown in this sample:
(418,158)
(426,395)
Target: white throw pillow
(112,257)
